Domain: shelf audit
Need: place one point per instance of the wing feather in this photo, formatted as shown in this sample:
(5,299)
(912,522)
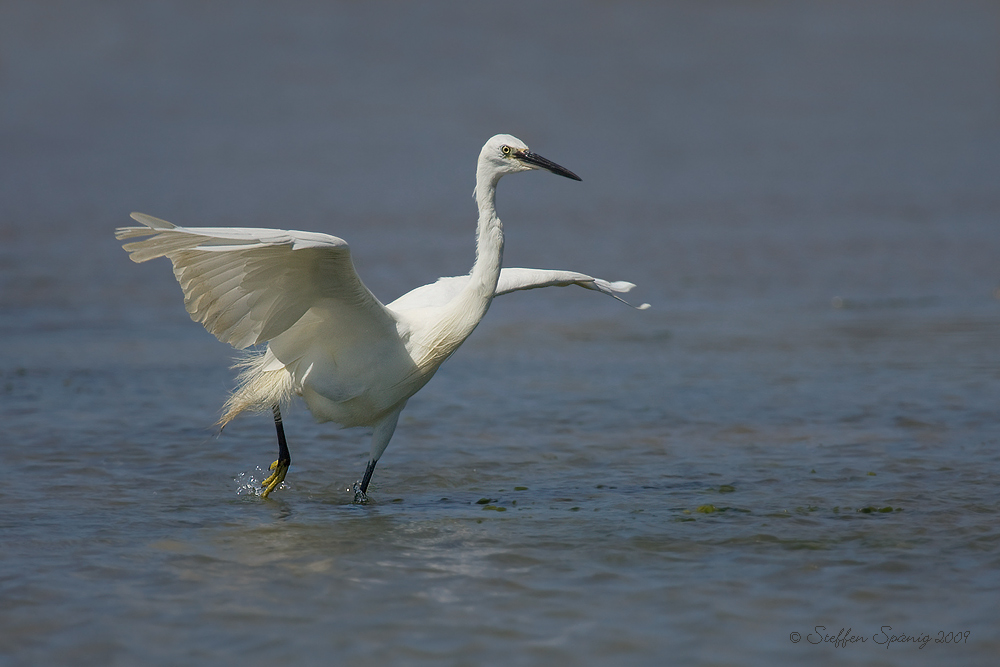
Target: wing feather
(248,285)
(511,280)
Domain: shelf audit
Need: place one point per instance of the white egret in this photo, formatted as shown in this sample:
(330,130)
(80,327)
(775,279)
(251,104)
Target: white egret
(353,360)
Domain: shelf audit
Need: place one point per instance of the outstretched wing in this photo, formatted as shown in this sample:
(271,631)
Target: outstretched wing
(511,280)
(248,285)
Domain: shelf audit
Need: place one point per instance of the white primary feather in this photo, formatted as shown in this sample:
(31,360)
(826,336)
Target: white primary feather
(247,286)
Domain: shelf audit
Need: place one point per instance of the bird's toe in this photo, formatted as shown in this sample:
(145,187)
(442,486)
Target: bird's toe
(279,468)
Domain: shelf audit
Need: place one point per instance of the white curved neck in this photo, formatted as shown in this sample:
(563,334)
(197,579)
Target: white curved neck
(464,312)
(471,304)
(489,240)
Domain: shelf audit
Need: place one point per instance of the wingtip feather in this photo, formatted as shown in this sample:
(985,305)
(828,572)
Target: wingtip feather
(150,221)
(620,286)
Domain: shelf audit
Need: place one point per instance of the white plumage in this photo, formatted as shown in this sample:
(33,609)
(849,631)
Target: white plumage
(352,359)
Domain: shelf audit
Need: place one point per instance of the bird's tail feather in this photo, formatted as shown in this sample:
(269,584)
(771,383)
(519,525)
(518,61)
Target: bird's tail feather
(257,389)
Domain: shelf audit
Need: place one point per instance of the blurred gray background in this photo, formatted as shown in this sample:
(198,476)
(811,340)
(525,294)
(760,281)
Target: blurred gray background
(839,148)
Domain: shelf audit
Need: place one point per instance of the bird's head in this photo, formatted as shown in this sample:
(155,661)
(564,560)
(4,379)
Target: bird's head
(506,154)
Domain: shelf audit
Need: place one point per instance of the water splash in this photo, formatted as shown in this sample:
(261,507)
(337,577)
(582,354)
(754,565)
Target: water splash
(250,483)
(360,497)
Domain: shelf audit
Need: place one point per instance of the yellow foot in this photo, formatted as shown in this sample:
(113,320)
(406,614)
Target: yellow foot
(277,477)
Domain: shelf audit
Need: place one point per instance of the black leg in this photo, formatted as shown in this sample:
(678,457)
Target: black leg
(283,455)
(368,476)
(381,433)
(279,467)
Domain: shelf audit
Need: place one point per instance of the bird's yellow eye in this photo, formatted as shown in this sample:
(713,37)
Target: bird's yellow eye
(505,150)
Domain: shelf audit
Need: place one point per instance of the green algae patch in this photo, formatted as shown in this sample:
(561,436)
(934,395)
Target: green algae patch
(871,509)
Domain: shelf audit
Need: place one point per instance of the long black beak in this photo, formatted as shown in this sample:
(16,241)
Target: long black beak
(538,161)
